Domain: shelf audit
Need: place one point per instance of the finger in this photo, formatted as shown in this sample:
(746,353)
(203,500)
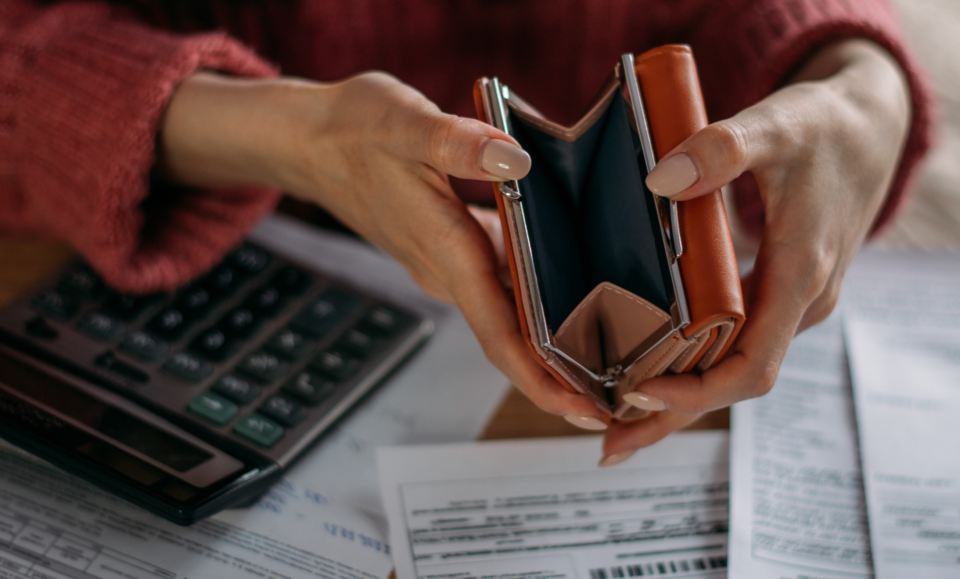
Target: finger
(719,153)
(627,437)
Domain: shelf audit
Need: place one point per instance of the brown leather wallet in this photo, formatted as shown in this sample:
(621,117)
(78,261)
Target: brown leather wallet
(613,284)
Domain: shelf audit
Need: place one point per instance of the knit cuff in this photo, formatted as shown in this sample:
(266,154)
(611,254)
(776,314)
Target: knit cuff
(89,102)
(758,47)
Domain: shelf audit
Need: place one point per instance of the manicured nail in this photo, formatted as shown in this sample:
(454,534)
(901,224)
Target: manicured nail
(585,422)
(504,160)
(643,401)
(612,459)
(673,175)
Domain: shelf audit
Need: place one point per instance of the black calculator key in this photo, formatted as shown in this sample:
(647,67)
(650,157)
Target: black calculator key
(259,430)
(143,346)
(291,281)
(240,322)
(129,307)
(169,324)
(336,364)
(382,320)
(291,345)
(327,311)
(81,282)
(39,328)
(187,367)
(250,259)
(309,387)
(194,302)
(286,412)
(223,280)
(109,361)
(100,326)
(263,367)
(55,304)
(359,342)
(236,389)
(214,345)
(266,301)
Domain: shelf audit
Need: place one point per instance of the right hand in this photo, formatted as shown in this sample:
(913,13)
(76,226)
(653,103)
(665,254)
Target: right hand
(375,153)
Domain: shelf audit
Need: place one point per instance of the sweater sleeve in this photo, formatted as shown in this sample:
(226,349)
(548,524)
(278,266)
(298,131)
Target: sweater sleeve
(747,48)
(83,86)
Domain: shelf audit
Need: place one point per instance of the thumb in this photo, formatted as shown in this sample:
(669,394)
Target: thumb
(470,149)
(709,159)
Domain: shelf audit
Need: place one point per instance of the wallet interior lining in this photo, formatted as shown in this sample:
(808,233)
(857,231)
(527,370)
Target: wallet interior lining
(589,216)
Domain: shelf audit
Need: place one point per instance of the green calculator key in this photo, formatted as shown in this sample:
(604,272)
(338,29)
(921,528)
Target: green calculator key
(259,429)
(214,408)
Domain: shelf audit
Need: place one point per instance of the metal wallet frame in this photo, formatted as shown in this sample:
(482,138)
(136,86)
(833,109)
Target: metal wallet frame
(495,97)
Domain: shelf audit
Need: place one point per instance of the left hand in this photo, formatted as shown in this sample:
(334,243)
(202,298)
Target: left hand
(823,150)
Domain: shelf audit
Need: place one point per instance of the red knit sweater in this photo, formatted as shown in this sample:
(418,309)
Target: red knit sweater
(82,86)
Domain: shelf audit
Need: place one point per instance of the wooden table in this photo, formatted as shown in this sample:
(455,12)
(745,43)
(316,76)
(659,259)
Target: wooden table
(24,263)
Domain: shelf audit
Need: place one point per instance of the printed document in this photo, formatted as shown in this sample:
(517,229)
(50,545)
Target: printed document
(797,505)
(542,509)
(902,324)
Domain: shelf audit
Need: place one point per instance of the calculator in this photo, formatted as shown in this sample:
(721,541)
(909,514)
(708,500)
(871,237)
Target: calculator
(189,402)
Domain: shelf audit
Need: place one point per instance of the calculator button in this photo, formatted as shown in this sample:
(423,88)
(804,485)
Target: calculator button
(286,412)
(382,320)
(214,345)
(336,364)
(222,281)
(326,312)
(55,304)
(187,367)
(236,389)
(129,307)
(81,282)
(291,281)
(240,322)
(309,388)
(250,259)
(266,301)
(108,361)
(169,324)
(290,344)
(194,302)
(359,342)
(259,430)
(100,326)
(39,328)
(263,367)
(143,346)
(214,408)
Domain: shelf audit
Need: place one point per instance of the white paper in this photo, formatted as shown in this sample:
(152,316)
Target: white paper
(902,323)
(543,509)
(797,505)
(55,526)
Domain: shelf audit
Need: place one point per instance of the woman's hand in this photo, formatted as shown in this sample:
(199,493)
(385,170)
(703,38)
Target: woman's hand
(823,151)
(376,154)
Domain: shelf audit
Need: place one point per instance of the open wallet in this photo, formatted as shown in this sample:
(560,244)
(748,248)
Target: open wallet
(613,284)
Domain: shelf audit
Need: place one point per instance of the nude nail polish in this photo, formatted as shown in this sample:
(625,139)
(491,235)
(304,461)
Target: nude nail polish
(612,459)
(673,175)
(585,422)
(504,160)
(644,401)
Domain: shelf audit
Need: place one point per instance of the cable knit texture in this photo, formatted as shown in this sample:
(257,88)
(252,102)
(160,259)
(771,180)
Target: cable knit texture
(82,86)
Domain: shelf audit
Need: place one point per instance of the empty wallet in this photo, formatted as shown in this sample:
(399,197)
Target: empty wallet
(615,285)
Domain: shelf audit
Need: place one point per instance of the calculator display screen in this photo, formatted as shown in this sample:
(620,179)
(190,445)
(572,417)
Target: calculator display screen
(106,419)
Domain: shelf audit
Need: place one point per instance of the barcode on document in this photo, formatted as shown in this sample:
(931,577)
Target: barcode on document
(659,568)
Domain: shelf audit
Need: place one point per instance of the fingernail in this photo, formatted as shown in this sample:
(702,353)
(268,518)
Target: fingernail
(504,160)
(673,175)
(585,422)
(644,401)
(612,459)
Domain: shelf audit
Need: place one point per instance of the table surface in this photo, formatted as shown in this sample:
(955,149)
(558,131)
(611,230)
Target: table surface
(25,262)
